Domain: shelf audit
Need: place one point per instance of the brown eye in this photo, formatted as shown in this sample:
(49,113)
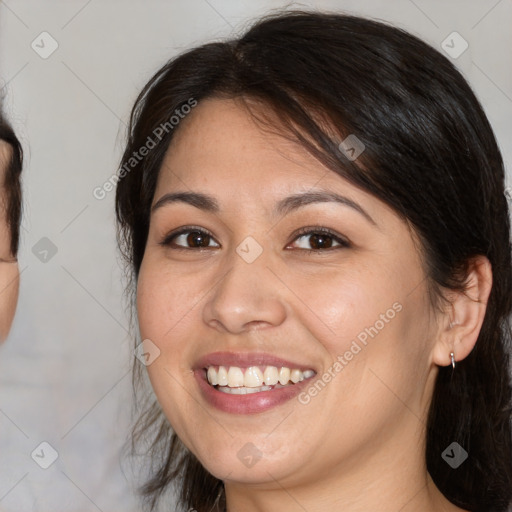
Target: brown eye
(319,239)
(198,239)
(190,238)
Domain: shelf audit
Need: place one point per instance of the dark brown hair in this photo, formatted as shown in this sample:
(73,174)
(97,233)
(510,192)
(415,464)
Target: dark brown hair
(11,183)
(430,154)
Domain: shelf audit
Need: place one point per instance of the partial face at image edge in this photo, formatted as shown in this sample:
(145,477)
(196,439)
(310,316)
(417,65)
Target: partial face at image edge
(9,269)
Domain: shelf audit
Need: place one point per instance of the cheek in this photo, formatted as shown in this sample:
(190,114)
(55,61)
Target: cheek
(371,326)
(342,306)
(164,301)
(167,316)
(384,361)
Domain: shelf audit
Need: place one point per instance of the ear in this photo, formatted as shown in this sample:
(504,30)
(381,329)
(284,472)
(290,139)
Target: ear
(460,325)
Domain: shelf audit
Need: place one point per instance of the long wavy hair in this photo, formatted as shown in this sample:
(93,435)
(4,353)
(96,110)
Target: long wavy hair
(430,154)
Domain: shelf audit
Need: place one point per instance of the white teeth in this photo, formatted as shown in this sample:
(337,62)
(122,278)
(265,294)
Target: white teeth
(212,376)
(253,379)
(296,376)
(222,376)
(284,375)
(235,377)
(243,390)
(270,376)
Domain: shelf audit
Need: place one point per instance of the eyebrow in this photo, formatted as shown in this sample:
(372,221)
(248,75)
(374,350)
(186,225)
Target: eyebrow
(283,207)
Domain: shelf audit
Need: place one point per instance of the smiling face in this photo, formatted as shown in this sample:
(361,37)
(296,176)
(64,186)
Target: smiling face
(248,277)
(9,272)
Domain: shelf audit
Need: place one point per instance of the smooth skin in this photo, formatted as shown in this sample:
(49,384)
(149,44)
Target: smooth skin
(359,444)
(9,270)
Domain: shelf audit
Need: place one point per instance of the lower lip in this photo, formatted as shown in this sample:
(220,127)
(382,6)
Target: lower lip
(247,404)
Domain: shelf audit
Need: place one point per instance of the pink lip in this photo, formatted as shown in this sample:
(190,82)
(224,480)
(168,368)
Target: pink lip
(254,402)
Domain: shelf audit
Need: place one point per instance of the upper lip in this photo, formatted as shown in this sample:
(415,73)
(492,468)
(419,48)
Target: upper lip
(246,359)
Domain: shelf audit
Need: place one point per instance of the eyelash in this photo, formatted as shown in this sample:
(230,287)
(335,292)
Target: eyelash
(311,230)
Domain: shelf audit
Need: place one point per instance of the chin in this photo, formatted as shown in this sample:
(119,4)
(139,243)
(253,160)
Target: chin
(247,461)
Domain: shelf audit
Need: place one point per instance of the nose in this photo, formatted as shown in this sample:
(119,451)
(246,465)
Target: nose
(247,296)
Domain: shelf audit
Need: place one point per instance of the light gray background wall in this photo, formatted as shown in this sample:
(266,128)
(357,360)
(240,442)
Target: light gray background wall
(64,372)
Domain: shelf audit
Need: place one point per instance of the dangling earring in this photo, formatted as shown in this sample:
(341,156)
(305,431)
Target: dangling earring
(453,360)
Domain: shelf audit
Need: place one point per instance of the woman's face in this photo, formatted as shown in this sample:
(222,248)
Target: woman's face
(249,291)
(9,272)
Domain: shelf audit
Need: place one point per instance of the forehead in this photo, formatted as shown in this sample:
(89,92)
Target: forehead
(220,145)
